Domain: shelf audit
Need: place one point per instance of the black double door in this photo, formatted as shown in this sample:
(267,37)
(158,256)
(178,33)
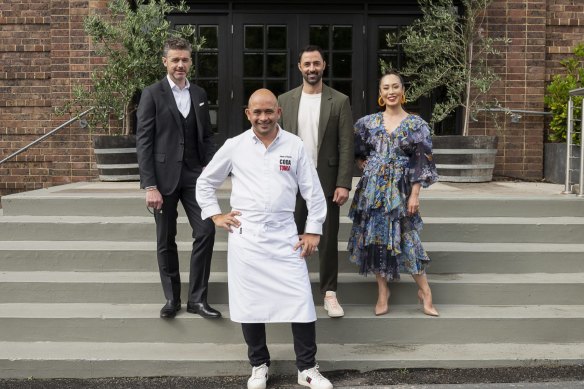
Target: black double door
(247,51)
(266,48)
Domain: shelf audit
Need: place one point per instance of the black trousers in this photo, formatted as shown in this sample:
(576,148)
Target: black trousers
(203,235)
(328,248)
(304,344)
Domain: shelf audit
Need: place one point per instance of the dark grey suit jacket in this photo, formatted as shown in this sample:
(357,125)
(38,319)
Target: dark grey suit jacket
(335,135)
(159,135)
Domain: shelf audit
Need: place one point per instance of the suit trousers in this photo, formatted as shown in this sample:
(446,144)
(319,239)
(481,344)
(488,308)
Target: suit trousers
(203,233)
(304,344)
(328,248)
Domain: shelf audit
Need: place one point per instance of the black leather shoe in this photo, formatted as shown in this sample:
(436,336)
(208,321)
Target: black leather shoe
(170,309)
(204,310)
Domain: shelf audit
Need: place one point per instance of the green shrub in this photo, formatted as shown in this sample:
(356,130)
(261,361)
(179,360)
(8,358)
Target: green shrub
(556,98)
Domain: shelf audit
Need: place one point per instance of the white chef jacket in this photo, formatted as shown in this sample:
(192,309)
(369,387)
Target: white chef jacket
(268,280)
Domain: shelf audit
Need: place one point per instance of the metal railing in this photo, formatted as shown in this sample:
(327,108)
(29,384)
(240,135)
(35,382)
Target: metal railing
(570,144)
(48,134)
(515,113)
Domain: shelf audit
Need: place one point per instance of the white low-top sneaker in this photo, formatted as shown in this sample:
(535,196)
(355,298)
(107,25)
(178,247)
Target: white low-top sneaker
(313,379)
(332,306)
(259,377)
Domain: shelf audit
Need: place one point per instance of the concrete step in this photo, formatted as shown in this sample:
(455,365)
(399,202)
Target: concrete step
(58,322)
(134,205)
(144,288)
(447,257)
(90,359)
(437,229)
(496,199)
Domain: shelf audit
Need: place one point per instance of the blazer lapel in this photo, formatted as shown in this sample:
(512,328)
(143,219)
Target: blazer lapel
(197,105)
(326,104)
(296,95)
(169,98)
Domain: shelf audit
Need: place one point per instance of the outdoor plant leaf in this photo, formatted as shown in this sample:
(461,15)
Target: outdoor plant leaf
(449,52)
(130,40)
(556,98)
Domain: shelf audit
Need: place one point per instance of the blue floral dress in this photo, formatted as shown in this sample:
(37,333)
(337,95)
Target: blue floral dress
(384,239)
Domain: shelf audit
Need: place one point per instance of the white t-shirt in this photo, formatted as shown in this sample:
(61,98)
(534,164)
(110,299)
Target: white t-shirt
(308,119)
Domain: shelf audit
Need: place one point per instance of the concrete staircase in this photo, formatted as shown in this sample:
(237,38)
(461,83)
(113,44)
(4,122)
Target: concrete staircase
(80,292)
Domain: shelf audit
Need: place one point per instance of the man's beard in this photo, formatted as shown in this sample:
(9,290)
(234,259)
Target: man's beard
(316,81)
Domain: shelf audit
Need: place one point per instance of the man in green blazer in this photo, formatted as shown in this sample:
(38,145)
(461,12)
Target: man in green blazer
(322,117)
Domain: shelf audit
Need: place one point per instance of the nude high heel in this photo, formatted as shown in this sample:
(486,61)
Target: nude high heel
(430,311)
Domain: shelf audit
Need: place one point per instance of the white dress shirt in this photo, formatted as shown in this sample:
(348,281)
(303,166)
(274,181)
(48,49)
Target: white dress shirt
(264,181)
(181,96)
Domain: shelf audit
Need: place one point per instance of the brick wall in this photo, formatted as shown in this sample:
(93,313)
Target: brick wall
(43,51)
(565,26)
(522,69)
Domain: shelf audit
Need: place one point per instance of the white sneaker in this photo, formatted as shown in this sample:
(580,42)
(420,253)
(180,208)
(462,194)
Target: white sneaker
(259,377)
(313,379)
(332,306)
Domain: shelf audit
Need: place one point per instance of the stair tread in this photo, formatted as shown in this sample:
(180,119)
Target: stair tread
(148,219)
(154,277)
(352,311)
(90,245)
(522,191)
(96,351)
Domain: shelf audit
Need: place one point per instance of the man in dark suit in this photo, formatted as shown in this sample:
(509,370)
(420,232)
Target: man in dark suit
(174,143)
(322,117)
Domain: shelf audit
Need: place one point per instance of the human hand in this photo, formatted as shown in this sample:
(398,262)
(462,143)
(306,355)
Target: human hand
(153,198)
(226,221)
(341,196)
(413,204)
(361,163)
(308,242)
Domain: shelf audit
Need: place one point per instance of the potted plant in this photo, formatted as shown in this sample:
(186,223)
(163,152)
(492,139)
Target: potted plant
(459,70)
(129,37)
(556,100)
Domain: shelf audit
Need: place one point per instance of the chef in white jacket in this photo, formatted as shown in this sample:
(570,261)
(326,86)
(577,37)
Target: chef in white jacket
(267,273)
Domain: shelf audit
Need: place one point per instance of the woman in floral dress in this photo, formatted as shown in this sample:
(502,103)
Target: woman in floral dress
(394,149)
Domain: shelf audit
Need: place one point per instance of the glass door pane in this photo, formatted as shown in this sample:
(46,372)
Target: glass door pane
(341,39)
(210,66)
(261,59)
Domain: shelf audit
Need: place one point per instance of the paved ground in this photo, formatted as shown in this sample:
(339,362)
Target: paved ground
(536,377)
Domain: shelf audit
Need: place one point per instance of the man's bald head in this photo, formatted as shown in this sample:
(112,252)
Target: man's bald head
(262,95)
(263,113)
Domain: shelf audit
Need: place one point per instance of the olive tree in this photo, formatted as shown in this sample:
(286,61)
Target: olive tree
(448,50)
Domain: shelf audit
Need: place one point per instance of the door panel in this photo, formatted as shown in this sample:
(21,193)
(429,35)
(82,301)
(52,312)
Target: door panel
(260,59)
(260,50)
(378,28)
(210,66)
(341,38)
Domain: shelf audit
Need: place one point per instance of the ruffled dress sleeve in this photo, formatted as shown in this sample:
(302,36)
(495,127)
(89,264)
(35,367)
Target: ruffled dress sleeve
(362,134)
(418,146)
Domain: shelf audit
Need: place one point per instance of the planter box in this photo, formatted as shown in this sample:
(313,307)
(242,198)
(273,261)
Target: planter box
(465,158)
(554,163)
(116,157)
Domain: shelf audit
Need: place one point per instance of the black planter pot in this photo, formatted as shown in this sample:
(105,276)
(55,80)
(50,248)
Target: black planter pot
(116,157)
(465,158)
(554,163)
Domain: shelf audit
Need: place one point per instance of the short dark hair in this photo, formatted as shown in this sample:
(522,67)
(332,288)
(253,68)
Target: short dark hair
(176,43)
(308,49)
(392,72)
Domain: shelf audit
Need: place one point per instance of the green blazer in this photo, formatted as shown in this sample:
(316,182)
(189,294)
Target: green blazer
(335,135)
